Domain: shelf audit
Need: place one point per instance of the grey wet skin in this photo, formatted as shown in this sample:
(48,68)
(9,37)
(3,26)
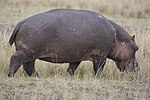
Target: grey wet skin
(71,36)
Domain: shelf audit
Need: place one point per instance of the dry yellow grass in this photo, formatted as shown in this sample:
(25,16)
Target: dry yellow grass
(60,88)
(13,11)
(54,83)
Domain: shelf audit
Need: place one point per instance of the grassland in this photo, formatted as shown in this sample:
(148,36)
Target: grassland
(54,83)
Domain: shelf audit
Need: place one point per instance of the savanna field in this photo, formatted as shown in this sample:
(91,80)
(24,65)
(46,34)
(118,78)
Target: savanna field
(53,82)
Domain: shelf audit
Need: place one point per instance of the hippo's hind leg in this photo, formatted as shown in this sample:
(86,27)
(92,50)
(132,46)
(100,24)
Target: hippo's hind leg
(15,62)
(98,64)
(29,68)
(72,67)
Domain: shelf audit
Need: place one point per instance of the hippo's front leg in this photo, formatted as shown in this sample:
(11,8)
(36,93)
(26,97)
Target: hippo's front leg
(98,64)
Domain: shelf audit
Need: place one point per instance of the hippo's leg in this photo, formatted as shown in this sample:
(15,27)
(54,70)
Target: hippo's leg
(98,64)
(72,67)
(17,60)
(30,69)
(15,63)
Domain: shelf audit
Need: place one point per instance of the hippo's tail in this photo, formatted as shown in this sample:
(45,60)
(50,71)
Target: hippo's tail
(14,34)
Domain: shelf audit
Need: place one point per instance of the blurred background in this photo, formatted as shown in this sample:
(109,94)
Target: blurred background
(12,11)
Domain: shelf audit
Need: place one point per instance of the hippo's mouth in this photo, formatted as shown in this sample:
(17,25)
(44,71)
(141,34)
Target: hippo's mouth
(127,66)
(120,65)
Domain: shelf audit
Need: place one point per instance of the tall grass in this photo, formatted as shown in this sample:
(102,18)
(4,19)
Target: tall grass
(20,9)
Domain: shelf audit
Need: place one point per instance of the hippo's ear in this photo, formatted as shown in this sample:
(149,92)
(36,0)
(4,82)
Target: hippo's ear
(133,37)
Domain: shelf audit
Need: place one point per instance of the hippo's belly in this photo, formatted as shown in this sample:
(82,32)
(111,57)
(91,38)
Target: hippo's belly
(69,56)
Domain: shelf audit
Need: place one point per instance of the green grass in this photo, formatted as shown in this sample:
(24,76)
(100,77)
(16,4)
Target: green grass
(54,83)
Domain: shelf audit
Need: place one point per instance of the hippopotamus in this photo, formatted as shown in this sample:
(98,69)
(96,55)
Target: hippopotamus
(71,36)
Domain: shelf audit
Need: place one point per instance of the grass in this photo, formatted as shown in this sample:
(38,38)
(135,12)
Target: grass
(54,83)
(20,9)
(60,88)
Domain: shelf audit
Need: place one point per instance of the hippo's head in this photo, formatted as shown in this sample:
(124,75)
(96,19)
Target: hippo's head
(124,55)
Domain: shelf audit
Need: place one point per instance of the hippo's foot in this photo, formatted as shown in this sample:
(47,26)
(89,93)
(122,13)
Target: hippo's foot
(72,67)
(70,72)
(35,74)
(10,74)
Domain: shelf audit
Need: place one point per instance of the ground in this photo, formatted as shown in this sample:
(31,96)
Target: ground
(60,88)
